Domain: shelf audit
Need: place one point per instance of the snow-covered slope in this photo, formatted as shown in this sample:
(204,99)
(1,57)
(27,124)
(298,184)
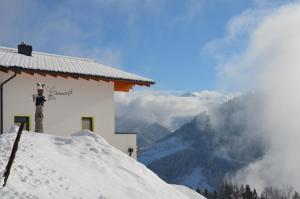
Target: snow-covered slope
(81,166)
(189,192)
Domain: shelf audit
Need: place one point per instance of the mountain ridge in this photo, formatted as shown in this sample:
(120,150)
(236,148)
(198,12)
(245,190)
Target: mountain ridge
(214,145)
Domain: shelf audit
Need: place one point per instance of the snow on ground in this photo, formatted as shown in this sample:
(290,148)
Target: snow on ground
(80,166)
(188,192)
(196,177)
(161,149)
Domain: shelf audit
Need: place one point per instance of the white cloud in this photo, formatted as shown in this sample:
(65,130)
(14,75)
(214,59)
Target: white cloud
(55,28)
(166,108)
(270,63)
(229,50)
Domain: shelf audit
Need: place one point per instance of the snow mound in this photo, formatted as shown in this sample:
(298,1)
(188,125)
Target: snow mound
(80,166)
(85,133)
(188,192)
(88,133)
(13,129)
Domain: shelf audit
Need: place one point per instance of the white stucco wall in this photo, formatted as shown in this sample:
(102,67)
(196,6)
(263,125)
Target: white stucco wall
(124,141)
(62,115)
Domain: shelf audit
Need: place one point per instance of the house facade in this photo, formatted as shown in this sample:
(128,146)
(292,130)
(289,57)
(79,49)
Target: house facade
(79,93)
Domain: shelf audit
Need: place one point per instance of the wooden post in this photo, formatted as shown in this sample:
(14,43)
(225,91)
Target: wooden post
(13,154)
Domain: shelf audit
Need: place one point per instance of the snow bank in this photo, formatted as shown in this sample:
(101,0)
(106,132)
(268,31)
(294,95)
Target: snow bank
(188,192)
(80,166)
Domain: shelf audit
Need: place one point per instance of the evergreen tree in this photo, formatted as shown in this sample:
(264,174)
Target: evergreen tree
(254,195)
(242,192)
(205,193)
(248,193)
(262,196)
(215,195)
(296,195)
(236,192)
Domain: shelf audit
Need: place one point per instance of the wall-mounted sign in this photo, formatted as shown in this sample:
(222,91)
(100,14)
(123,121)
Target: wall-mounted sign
(53,92)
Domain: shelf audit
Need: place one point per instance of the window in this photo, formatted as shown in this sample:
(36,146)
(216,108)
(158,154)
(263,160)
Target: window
(19,119)
(87,123)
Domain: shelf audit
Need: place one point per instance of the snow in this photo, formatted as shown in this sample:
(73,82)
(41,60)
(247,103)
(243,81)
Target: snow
(194,179)
(188,192)
(83,165)
(161,149)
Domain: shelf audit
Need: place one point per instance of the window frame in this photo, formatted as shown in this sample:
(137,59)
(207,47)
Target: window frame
(92,119)
(24,116)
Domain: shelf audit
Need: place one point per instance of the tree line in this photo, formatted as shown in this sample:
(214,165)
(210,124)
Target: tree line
(229,190)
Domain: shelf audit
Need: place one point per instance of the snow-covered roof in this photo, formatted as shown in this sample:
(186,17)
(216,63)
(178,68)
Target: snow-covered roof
(10,58)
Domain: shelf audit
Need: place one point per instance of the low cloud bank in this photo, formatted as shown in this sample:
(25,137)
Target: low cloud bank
(166,108)
(270,65)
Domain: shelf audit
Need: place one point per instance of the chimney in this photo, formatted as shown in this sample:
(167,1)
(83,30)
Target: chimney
(24,49)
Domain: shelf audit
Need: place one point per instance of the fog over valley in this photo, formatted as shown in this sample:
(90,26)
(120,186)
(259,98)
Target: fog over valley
(266,109)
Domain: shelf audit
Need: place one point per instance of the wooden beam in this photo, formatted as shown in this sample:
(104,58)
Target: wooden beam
(105,80)
(95,78)
(4,70)
(52,74)
(83,77)
(63,75)
(73,76)
(123,86)
(29,72)
(41,73)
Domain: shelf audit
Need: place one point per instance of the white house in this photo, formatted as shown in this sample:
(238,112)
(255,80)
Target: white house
(80,93)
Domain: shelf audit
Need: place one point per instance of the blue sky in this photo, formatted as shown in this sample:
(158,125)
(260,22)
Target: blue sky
(160,39)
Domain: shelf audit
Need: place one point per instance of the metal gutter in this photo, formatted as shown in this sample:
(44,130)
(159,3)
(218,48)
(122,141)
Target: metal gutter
(1,96)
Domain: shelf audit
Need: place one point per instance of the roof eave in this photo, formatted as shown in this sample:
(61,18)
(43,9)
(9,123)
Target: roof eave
(130,82)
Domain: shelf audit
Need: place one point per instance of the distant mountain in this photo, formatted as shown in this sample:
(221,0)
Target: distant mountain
(147,133)
(202,152)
